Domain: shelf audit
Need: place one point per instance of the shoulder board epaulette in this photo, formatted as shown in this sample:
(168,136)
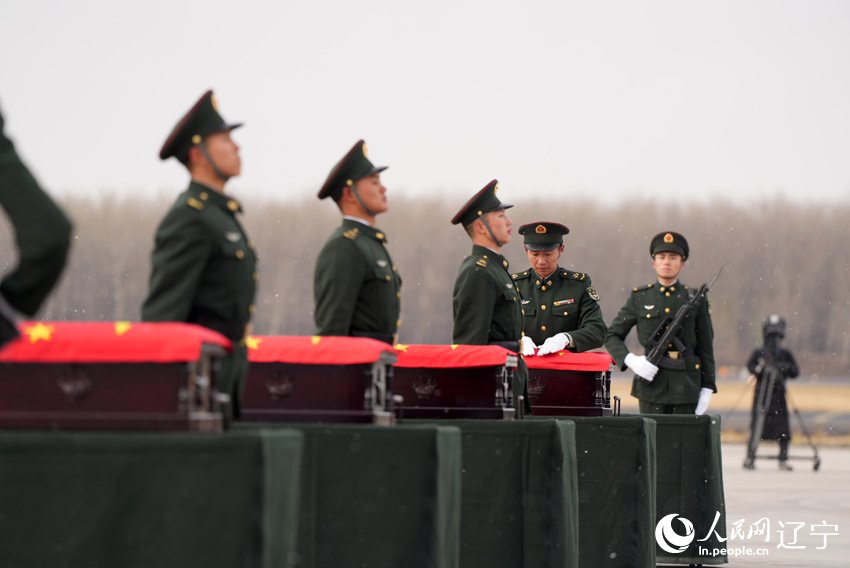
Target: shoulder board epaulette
(482,262)
(521,275)
(351,233)
(573,275)
(194,203)
(644,287)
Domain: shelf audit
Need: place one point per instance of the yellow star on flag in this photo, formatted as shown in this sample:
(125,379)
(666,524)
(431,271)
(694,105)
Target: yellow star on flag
(401,347)
(40,331)
(253,342)
(454,346)
(315,339)
(122,327)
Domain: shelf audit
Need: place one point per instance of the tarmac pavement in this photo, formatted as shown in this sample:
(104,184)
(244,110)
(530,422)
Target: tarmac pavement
(786,499)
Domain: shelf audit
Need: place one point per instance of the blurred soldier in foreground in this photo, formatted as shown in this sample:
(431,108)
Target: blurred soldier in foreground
(771,365)
(486,303)
(356,287)
(560,307)
(685,382)
(203,265)
(42,236)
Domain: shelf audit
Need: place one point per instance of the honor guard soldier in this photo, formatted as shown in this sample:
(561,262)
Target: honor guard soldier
(357,287)
(42,235)
(685,382)
(486,302)
(204,269)
(770,409)
(560,307)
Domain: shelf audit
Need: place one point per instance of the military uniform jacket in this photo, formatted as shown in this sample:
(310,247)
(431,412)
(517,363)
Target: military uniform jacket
(203,265)
(564,302)
(357,287)
(486,303)
(646,307)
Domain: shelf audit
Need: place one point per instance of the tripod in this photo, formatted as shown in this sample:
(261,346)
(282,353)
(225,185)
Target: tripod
(763,398)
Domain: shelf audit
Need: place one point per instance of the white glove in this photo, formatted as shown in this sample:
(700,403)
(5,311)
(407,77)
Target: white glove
(641,367)
(704,398)
(528,346)
(557,342)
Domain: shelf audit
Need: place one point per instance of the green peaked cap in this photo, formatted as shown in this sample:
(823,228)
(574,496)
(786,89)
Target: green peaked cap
(353,166)
(201,121)
(482,202)
(543,235)
(669,241)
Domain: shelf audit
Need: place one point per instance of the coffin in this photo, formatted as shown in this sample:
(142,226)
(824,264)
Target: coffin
(319,379)
(111,376)
(455,381)
(570,384)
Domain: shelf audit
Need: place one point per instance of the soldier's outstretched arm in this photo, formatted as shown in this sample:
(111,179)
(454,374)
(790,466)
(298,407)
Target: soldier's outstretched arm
(42,233)
(615,341)
(183,246)
(473,302)
(340,273)
(592,331)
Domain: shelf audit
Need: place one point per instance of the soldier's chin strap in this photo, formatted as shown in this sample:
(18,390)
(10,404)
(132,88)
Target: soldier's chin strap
(368,211)
(489,230)
(203,148)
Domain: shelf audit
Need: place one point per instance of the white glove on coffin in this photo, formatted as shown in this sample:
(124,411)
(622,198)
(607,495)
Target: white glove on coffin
(528,346)
(704,399)
(557,342)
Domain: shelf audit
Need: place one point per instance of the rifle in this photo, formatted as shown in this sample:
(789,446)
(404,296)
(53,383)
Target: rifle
(670,329)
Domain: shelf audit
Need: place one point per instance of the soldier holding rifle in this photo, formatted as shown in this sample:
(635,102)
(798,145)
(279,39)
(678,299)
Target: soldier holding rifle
(683,380)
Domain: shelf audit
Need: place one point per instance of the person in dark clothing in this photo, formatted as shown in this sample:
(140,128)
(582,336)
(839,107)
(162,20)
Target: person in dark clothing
(770,410)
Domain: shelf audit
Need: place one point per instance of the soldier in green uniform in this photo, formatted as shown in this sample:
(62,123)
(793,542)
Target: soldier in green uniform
(486,303)
(357,287)
(560,307)
(42,235)
(685,381)
(204,268)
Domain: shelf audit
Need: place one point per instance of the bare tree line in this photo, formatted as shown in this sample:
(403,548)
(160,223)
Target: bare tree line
(778,257)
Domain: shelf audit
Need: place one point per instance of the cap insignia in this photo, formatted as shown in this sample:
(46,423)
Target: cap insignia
(668,238)
(496,189)
(540,229)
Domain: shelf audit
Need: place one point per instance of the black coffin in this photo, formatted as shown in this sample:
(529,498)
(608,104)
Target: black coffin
(111,376)
(455,381)
(570,384)
(319,379)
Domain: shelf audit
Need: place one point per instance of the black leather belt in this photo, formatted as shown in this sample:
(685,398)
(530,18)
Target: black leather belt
(672,364)
(385,337)
(509,345)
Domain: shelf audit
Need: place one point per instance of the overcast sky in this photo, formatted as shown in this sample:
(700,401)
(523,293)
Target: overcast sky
(742,99)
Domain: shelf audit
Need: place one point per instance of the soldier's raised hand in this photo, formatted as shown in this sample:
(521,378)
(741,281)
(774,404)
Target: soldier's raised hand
(641,367)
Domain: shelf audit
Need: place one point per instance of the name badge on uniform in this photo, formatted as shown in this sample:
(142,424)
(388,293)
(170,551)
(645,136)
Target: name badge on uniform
(232,236)
(382,263)
(563,302)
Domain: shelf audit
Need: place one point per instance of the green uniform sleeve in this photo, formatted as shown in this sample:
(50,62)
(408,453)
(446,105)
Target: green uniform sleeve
(42,233)
(591,330)
(183,247)
(705,347)
(615,341)
(473,303)
(340,273)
